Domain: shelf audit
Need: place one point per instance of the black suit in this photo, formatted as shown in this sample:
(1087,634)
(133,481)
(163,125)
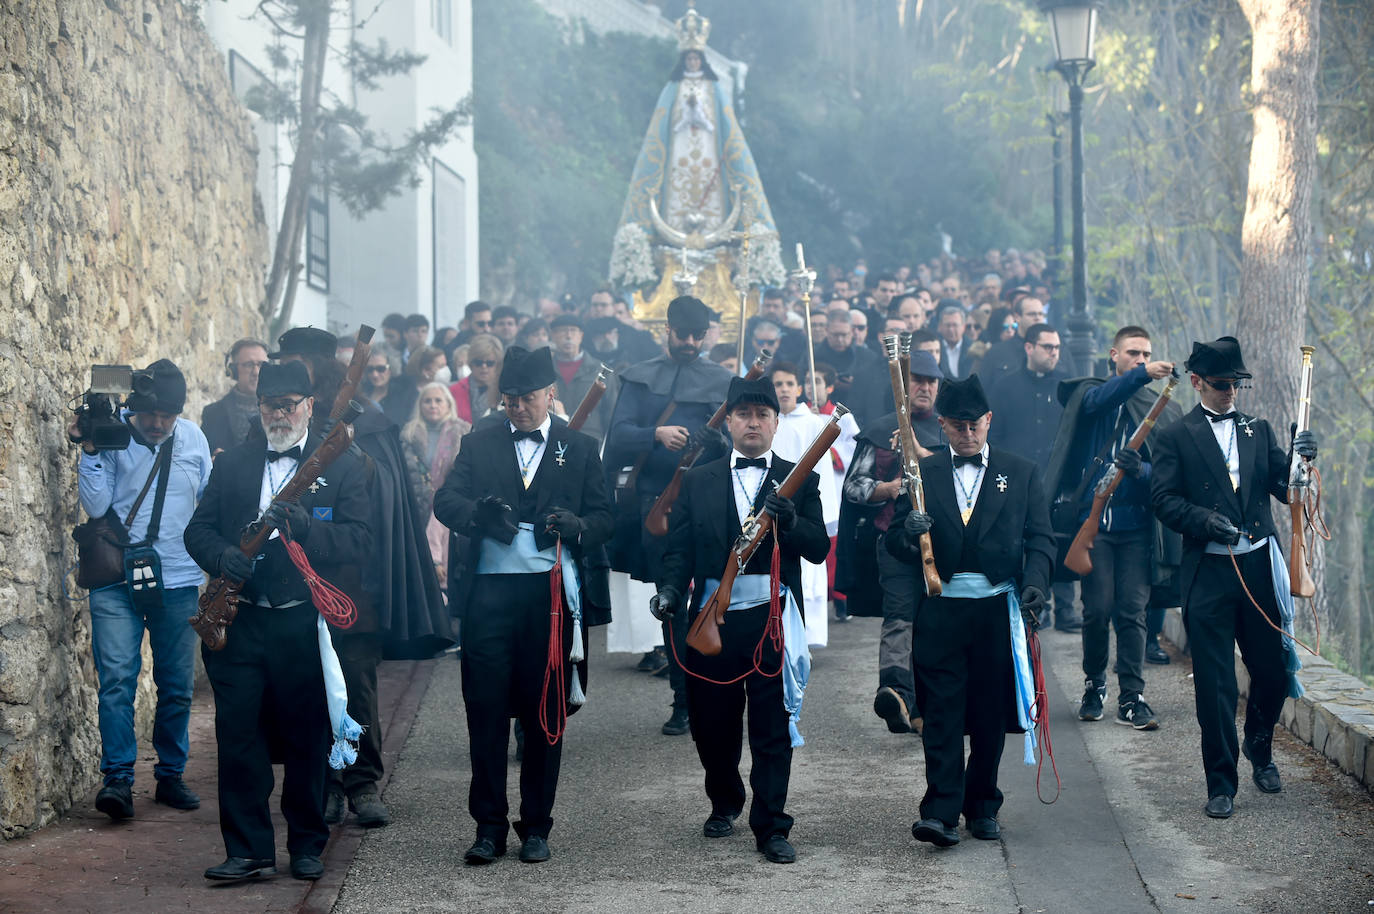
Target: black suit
(962,647)
(703,529)
(268,683)
(506,619)
(1190,480)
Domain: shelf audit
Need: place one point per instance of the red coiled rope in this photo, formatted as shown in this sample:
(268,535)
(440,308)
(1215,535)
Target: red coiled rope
(336,607)
(772,631)
(554,675)
(1040,718)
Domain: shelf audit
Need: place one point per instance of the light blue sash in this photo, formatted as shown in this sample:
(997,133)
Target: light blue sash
(970,586)
(346,730)
(753,590)
(522,556)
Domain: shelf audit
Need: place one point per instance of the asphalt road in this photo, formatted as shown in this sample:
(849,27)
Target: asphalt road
(1127,833)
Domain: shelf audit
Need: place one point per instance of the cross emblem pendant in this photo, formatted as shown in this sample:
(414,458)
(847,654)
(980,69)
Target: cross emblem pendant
(1001,483)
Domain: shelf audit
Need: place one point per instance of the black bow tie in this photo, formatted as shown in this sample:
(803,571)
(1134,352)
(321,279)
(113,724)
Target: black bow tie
(1223,417)
(742,462)
(534,435)
(973,459)
(294,453)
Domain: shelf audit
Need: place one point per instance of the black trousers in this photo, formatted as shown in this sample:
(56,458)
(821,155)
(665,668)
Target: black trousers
(674,631)
(962,652)
(1219,616)
(358,658)
(717,718)
(505,652)
(901,583)
(269,691)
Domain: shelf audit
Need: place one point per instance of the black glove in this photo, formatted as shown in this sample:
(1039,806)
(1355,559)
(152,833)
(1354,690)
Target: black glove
(710,440)
(565,523)
(234,565)
(1219,529)
(1305,445)
(1128,461)
(917,523)
(664,604)
(783,509)
(493,519)
(1032,605)
(291,519)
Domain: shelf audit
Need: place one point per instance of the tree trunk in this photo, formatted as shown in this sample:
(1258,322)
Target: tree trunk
(284,272)
(1276,235)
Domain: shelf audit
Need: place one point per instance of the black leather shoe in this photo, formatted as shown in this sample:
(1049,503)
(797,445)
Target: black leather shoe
(534,850)
(719,826)
(483,850)
(1156,654)
(335,807)
(173,792)
(888,705)
(371,811)
(984,828)
(241,868)
(116,800)
(933,831)
(678,724)
(306,866)
(777,849)
(1267,778)
(1260,751)
(1220,807)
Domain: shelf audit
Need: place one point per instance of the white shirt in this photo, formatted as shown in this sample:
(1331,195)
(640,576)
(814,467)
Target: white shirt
(796,431)
(276,474)
(968,482)
(747,483)
(1225,433)
(952,353)
(529,453)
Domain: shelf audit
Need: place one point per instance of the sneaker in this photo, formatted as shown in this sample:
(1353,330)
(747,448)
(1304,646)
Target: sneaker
(1093,696)
(653,661)
(841,611)
(1134,712)
(173,792)
(116,800)
(369,808)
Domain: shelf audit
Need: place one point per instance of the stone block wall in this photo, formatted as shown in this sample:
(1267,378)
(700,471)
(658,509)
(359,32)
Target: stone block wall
(129,231)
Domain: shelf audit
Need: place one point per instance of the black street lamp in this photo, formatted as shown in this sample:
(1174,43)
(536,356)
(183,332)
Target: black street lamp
(1059,109)
(1073,26)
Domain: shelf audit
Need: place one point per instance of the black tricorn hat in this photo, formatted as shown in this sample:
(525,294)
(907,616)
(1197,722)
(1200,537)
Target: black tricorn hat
(523,371)
(743,390)
(284,380)
(1218,359)
(962,400)
(306,341)
(690,314)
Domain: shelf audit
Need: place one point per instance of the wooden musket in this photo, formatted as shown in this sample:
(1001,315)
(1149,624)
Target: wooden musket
(591,399)
(704,635)
(1299,480)
(657,521)
(1078,559)
(899,370)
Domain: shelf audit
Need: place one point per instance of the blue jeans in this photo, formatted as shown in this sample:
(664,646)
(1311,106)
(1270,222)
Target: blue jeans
(116,643)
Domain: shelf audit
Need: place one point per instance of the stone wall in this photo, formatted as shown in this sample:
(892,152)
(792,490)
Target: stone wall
(129,230)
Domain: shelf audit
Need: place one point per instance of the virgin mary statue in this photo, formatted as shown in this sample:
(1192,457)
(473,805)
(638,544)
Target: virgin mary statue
(695,211)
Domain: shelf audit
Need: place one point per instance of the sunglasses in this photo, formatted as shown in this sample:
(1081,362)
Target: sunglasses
(483,363)
(378,369)
(1225,385)
(281,407)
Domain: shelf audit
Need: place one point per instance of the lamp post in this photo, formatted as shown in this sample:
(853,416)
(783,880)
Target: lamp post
(1073,26)
(1059,109)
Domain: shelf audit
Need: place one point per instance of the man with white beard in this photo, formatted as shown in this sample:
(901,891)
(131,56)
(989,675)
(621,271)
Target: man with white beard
(798,426)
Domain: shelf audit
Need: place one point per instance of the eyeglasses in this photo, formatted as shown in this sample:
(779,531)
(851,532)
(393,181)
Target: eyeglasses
(1049,347)
(482,363)
(1012,326)
(378,369)
(245,366)
(281,407)
(686,335)
(1230,384)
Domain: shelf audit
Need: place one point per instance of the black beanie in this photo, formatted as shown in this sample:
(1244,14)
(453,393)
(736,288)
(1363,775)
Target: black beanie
(168,392)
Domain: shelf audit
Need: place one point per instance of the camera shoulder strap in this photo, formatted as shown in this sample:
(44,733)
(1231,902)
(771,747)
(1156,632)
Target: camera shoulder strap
(143,493)
(163,470)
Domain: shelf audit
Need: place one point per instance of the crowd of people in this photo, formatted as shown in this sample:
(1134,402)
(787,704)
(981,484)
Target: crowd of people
(469,515)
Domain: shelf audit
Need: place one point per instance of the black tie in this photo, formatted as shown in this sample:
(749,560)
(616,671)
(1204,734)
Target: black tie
(534,435)
(742,462)
(974,459)
(294,453)
(1223,417)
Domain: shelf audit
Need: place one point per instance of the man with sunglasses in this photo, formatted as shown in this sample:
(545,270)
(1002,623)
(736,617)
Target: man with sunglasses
(1215,471)
(645,443)
(1129,551)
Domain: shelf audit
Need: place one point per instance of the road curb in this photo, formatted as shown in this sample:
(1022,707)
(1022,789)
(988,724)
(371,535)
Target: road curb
(1335,715)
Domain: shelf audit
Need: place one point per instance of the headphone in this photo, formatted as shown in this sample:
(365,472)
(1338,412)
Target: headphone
(231,370)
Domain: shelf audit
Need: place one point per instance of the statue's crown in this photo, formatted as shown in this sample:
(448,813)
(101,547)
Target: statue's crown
(692,29)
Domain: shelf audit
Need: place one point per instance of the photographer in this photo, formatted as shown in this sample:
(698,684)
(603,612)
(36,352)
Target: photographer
(168,461)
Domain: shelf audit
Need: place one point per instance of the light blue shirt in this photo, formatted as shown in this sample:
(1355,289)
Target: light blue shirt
(114,478)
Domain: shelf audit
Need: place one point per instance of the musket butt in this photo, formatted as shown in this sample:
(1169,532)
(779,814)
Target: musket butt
(365,333)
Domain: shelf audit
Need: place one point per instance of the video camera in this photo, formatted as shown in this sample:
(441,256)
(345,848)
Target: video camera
(97,415)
